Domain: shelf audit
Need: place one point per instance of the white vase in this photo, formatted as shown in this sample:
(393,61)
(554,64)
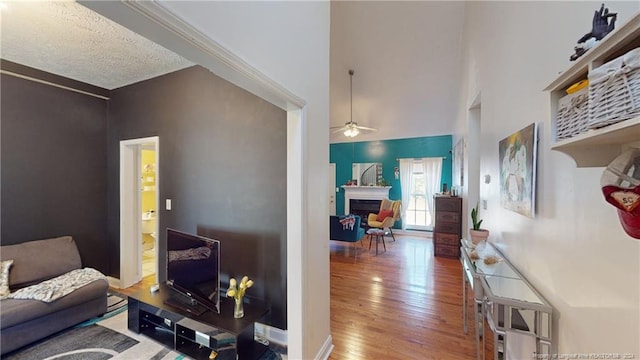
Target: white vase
(478,236)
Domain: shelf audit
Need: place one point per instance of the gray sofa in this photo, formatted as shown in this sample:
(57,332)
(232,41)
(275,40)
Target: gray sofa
(25,321)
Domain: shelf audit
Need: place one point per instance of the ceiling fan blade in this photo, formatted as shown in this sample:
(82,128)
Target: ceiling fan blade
(335,130)
(366,128)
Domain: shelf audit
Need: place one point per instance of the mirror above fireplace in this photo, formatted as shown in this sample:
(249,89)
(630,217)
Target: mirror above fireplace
(367,174)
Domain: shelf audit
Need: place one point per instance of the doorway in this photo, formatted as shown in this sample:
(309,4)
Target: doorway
(139,215)
(149,209)
(332,189)
(472,160)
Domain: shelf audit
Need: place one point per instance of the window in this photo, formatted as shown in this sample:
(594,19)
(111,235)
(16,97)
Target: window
(419,182)
(418,216)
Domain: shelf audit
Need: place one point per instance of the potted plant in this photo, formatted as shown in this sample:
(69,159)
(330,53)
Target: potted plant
(477,234)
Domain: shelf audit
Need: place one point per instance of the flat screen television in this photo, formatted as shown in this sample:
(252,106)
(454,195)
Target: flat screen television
(193,270)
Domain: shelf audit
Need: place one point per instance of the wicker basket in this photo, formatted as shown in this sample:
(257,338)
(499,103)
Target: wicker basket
(614,91)
(573,114)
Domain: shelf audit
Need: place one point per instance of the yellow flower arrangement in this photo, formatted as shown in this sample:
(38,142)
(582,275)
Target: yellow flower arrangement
(237,292)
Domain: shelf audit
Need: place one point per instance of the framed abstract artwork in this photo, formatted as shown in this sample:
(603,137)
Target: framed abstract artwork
(518,157)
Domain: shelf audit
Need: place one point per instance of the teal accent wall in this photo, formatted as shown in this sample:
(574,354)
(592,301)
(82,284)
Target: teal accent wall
(387,152)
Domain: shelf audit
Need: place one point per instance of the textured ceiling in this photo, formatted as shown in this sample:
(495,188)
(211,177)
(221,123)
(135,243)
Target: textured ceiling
(69,40)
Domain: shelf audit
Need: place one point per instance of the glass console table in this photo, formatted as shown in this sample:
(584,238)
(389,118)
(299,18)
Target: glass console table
(518,316)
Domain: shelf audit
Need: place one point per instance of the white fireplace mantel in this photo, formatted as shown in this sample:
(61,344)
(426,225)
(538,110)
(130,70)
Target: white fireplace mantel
(364,193)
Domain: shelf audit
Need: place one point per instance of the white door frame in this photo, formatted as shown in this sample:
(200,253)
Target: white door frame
(130,212)
(472,159)
(332,189)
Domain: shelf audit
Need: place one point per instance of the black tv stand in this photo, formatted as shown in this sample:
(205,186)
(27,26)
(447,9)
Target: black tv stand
(185,303)
(197,336)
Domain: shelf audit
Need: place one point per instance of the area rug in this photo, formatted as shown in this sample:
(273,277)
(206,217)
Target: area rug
(105,337)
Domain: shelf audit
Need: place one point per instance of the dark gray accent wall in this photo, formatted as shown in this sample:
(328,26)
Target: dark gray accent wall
(53,167)
(223,164)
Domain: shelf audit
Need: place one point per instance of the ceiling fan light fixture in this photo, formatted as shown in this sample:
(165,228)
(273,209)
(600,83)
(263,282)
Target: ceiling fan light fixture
(351,128)
(351,132)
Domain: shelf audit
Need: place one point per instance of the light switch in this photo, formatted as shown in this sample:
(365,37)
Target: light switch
(337,189)
(484,204)
(167,204)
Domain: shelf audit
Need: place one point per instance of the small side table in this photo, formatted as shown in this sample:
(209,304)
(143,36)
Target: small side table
(377,234)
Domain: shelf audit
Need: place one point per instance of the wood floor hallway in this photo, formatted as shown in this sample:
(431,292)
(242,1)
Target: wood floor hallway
(402,304)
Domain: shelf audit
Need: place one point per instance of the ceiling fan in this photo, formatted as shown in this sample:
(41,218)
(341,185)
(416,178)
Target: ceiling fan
(351,128)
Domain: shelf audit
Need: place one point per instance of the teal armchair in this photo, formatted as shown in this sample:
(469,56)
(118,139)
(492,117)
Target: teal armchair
(346,228)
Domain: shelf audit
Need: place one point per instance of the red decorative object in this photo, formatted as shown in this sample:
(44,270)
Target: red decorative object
(383,214)
(628,203)
(621,188)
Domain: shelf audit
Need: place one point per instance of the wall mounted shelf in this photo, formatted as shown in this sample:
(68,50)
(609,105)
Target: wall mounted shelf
(597,148)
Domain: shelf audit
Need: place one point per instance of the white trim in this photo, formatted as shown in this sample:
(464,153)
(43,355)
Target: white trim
(128,208)
(325,350)
(296,227)
(363,193)
(130,212)
(114,282)
(25,77)
(414,233)
(196,46)
(332,189)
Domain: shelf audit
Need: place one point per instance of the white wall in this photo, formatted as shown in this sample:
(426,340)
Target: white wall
(289,43)
(574,251)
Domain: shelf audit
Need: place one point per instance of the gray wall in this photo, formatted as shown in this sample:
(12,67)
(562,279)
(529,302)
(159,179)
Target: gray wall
(222,162)
(53,167)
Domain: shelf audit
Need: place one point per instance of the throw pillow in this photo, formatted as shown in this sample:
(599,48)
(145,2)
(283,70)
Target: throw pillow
(383,214)
(4,278)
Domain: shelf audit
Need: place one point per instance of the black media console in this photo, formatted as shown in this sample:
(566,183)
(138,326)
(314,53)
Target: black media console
(206,336)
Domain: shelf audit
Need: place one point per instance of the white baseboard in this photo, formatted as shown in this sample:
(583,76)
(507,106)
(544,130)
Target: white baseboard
(424,234)
(114,283)
(326,349)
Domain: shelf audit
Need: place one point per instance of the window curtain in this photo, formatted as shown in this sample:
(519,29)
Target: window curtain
(433,174)
(406,172)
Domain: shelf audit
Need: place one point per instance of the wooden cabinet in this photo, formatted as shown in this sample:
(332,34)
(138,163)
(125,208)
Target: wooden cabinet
(448,229)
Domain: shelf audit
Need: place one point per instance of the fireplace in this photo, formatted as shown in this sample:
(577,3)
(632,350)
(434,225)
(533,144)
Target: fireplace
(364,193)
(363,208)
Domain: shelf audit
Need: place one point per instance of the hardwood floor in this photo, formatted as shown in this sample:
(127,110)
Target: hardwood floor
(402,304)
(144,284)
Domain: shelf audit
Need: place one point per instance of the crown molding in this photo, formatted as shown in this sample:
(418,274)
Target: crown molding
(28,73)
